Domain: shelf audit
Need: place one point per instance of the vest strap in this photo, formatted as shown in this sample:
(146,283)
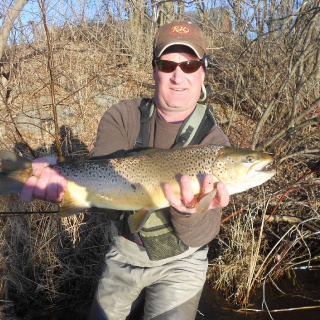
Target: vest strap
(199,123)
(193,130)
(147,111)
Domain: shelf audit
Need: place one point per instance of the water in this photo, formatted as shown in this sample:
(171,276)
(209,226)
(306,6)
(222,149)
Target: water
(303,293)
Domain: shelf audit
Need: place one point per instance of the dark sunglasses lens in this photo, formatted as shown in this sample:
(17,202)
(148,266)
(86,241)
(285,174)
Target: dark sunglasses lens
(186,66)
(166,66)
(190,66)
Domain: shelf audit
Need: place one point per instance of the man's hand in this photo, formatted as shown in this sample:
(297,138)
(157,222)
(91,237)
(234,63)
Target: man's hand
(187,202)
(46,183)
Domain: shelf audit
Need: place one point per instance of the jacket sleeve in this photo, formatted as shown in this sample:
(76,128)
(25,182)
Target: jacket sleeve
(196,230)
(199,229)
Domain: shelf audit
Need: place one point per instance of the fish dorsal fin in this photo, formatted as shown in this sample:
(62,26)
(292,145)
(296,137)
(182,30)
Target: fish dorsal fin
(140,151)
(66,159)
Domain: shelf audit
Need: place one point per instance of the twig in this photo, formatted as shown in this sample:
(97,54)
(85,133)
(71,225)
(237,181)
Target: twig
(51,68)
(291,188)
(278,310)
(232,215)
(305,152)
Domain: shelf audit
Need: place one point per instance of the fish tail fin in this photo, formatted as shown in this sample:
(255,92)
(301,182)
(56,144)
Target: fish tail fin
(14,172)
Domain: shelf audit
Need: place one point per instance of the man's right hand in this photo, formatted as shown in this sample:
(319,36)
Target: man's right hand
(46,183)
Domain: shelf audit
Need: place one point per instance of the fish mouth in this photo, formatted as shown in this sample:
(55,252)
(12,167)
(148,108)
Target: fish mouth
(265,167)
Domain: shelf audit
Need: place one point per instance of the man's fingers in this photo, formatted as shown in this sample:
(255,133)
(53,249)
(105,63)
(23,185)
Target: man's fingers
(222,199)
(56,186)
(186,190)
(46,183)
(187,202)
(28,188)
(40,189)
(171,197)
(207,186)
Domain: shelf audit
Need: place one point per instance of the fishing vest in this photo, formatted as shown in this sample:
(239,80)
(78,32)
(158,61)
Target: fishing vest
(157,235)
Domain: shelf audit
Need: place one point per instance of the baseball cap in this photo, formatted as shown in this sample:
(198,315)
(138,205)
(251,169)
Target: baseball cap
(179,33)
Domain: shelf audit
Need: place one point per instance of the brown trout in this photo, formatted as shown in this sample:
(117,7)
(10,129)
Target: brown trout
(135,182)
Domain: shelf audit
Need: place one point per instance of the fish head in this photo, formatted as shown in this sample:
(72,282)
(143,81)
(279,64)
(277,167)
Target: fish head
(241,169)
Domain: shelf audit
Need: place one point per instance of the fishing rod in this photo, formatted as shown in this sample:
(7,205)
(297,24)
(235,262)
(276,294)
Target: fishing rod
(27,213)
(24,213)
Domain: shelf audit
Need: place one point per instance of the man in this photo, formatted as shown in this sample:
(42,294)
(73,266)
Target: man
(167,259)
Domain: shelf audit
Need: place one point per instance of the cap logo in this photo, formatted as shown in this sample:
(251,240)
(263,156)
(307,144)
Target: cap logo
(180,30)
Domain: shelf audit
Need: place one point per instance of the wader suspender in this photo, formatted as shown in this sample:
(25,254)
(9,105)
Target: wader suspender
(193,130)
(147,111)
(157,235)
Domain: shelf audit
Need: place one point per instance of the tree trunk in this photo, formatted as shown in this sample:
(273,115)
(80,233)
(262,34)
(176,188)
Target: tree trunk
(11,15)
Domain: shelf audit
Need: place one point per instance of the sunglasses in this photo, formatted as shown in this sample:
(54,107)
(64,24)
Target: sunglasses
(186,66)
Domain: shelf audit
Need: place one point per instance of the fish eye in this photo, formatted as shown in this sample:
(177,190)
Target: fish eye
(250,159)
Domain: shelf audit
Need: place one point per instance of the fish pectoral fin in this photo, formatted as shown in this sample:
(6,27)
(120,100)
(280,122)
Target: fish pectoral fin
(138,219)
(205,202)
(71,205)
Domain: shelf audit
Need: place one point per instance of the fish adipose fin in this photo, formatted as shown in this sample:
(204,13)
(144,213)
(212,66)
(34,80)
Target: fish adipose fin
(138,219)
(14,172)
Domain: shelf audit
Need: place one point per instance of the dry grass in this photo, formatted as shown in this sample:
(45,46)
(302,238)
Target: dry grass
(267,234)
(50,266)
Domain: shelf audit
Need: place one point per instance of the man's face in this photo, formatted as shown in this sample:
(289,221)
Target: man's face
(177,91)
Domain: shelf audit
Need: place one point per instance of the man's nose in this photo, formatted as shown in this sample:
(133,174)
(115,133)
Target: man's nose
(177,75)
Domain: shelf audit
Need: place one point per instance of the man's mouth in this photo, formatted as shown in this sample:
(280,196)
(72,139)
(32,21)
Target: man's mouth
(178,89)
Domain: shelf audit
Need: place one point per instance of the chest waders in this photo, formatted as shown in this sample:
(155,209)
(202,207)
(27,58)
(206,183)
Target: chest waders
(157,235)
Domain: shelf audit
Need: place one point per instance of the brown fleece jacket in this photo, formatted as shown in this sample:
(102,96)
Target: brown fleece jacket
(118,130)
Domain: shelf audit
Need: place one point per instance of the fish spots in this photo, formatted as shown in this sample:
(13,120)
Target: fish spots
(219,167)
(230,159)
(133,187)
